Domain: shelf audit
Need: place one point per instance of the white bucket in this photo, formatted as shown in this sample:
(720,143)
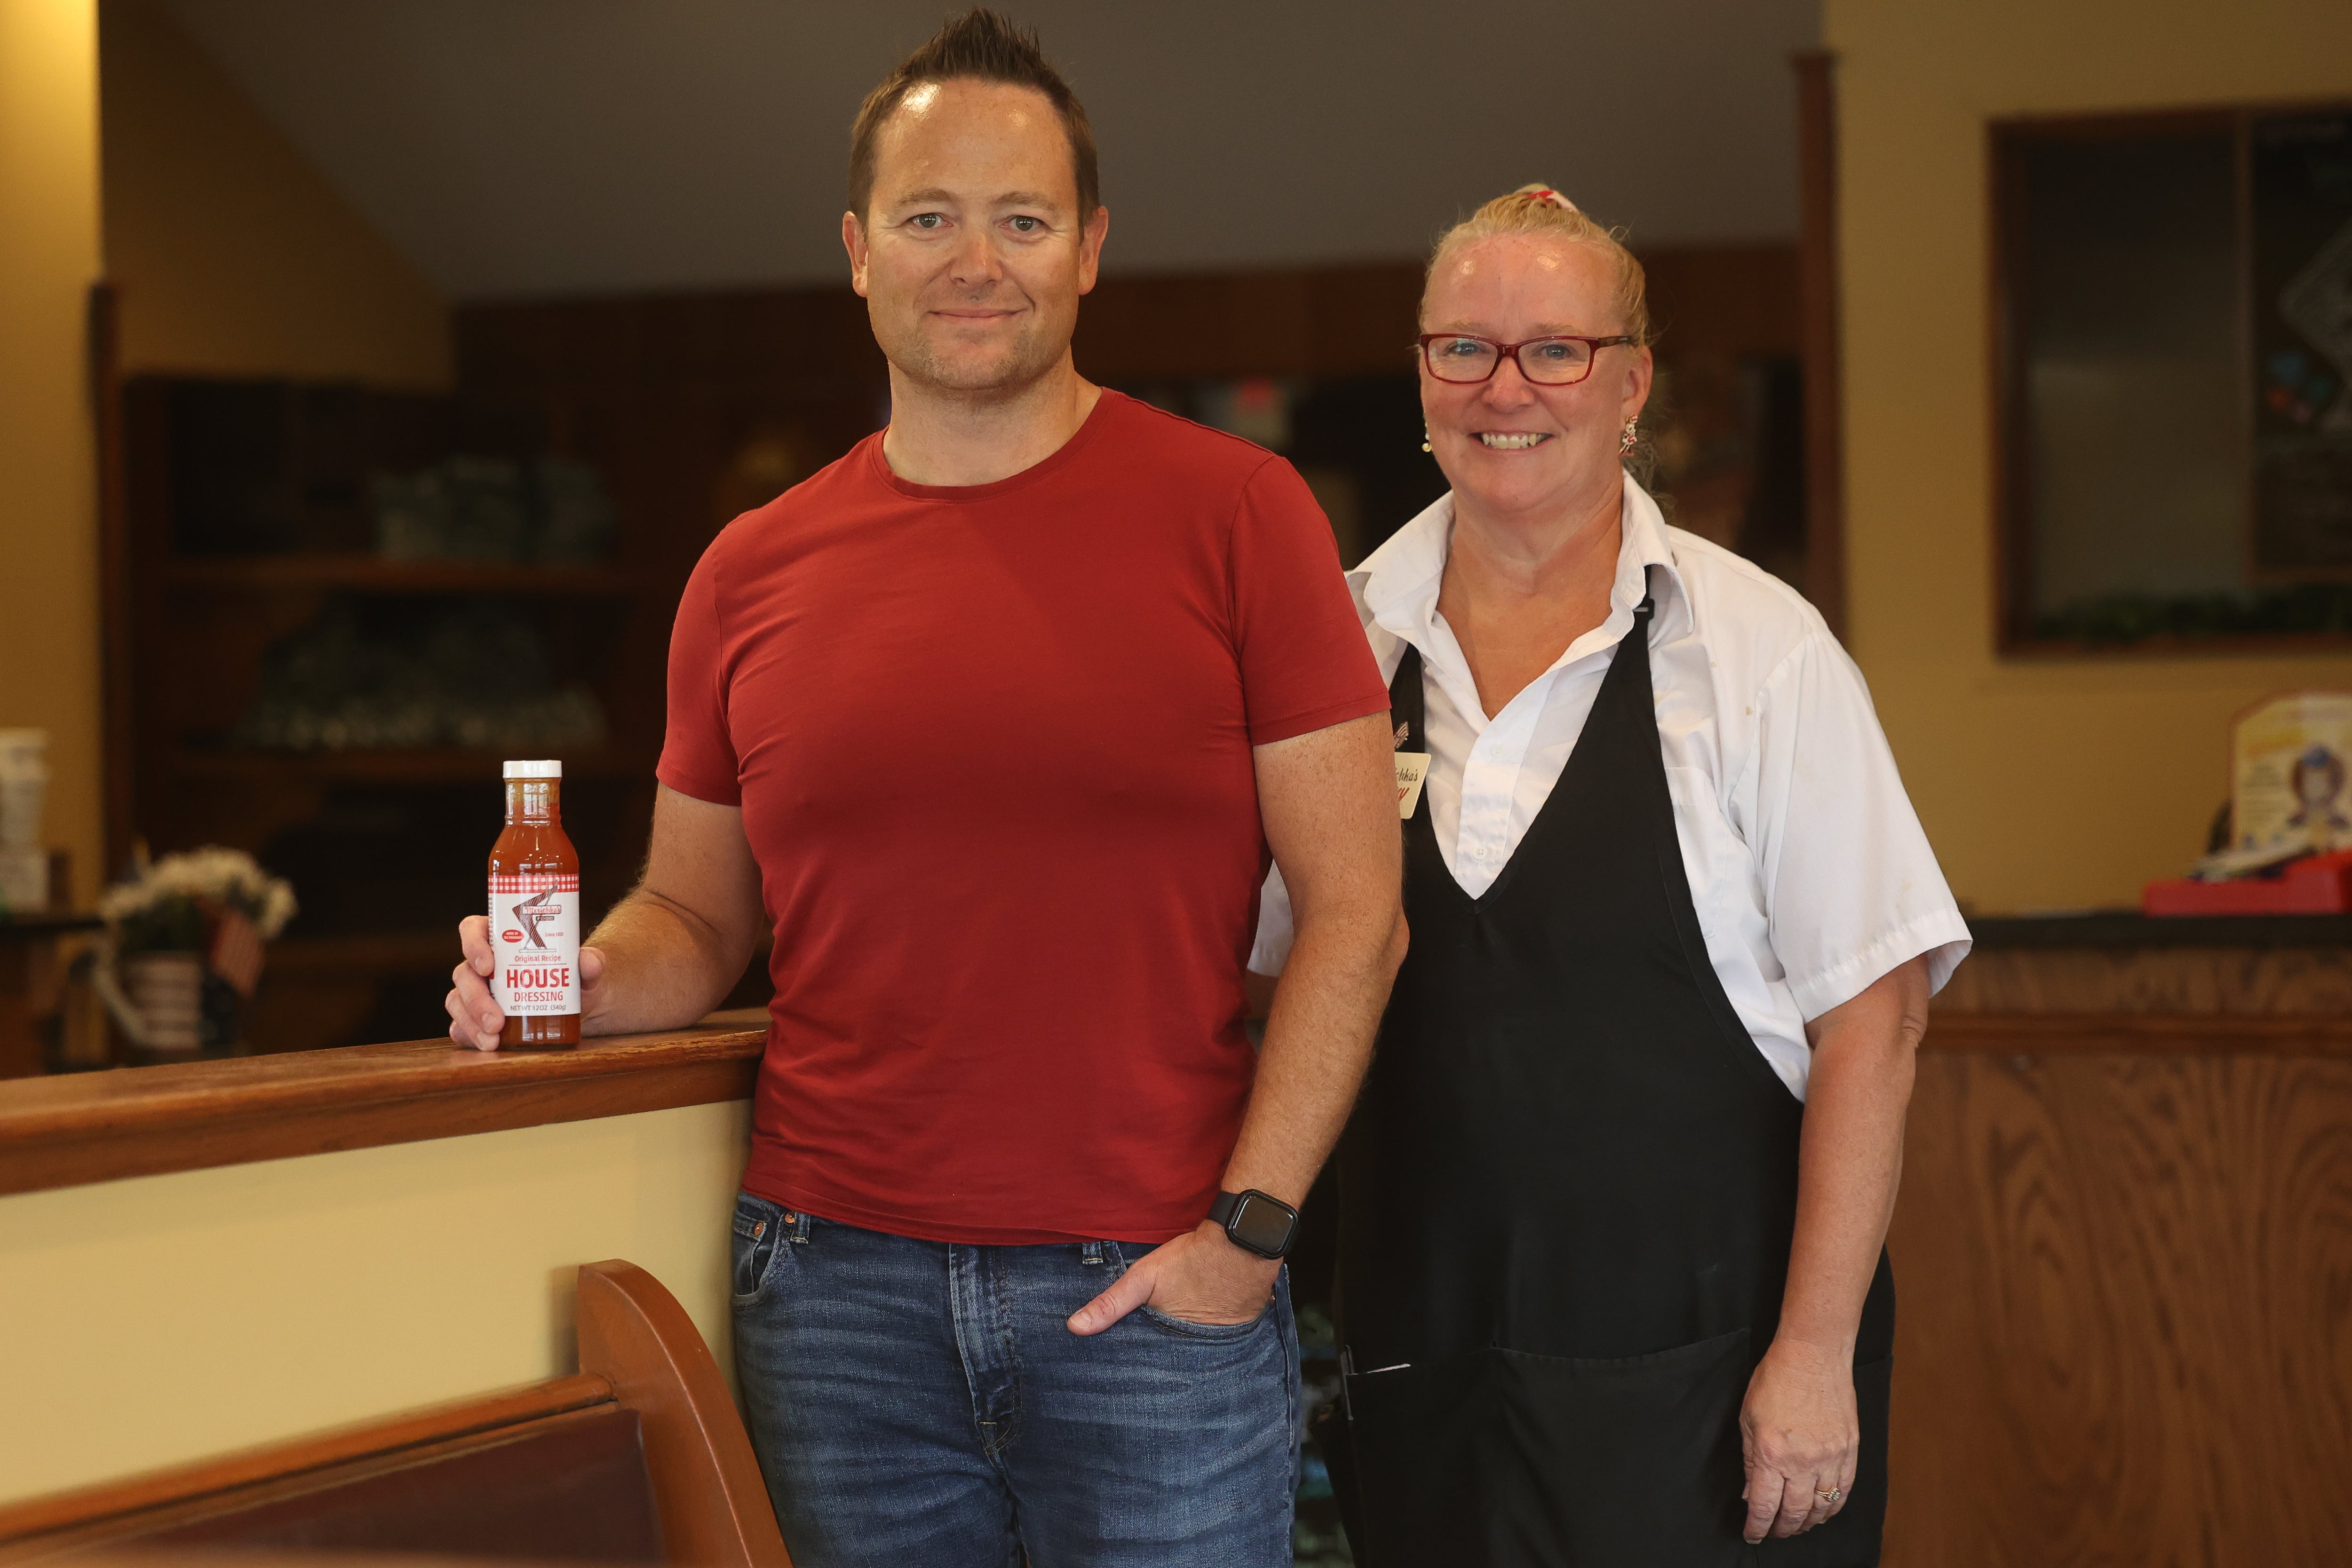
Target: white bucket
(24,785)
(167,989)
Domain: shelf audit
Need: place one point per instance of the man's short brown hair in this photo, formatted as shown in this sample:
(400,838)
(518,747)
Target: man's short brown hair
(980,46)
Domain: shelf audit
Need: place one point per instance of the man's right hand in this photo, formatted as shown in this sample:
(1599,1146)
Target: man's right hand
(474,1018)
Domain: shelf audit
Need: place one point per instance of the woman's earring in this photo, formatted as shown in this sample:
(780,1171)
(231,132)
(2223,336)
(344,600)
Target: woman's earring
(1424,440)
(1632,433)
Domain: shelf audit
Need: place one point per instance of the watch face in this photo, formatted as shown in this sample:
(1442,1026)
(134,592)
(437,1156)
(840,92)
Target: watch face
(1261,1226)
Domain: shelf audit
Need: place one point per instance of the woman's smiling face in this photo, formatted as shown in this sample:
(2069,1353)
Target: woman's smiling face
(1509,445)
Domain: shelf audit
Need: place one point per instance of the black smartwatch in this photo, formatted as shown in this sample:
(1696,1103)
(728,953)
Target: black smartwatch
(1255,1221)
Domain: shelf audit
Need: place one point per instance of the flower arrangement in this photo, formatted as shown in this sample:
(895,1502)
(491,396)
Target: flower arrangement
(174,904)
(182,951)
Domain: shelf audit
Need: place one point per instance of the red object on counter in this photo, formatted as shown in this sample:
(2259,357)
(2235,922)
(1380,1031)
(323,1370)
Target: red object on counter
(2321,884)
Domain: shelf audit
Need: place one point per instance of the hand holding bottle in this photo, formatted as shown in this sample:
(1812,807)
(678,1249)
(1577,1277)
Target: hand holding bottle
(475,1016)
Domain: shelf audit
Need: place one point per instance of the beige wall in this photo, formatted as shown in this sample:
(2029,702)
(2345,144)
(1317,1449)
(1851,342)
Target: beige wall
(2043,784)
(149,1322)
(49,531)
(233,254)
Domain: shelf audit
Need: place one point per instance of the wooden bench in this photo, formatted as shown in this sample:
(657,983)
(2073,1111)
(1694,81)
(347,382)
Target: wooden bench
(640,1457)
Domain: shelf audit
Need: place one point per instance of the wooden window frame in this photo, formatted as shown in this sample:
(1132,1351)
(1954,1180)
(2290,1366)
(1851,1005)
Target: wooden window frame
(2013,563)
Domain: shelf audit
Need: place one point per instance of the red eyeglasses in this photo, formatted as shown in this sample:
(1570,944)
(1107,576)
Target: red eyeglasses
(1466,358)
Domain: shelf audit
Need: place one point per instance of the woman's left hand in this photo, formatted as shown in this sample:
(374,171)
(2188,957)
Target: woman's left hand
(1799,1436)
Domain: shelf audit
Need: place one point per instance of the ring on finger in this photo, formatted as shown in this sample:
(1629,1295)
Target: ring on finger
(1829,1499)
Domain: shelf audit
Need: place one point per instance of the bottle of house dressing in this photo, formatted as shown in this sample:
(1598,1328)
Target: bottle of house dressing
(535,912)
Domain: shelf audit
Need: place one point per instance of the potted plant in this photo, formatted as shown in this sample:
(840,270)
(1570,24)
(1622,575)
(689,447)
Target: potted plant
(184,947)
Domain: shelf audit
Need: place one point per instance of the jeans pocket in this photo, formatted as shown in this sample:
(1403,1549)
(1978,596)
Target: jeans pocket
(759,1234)
(1115,1253)
(1188,1328)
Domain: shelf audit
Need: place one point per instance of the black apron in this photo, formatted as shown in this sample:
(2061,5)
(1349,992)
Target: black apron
(1566,1201)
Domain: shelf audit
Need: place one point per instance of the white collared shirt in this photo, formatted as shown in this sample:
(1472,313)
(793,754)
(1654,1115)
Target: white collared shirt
(1808,870)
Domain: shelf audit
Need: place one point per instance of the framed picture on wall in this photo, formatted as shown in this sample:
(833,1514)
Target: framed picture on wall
(2172,321)
(2299,180)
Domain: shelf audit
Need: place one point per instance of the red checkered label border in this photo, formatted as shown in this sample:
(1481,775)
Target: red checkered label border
(536,882)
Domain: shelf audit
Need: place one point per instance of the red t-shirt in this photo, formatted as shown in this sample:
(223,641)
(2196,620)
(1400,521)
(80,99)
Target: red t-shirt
(992,748)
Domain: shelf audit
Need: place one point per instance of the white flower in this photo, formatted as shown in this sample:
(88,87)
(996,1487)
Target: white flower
(214,874)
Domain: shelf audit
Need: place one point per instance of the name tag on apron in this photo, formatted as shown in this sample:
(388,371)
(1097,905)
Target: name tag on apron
(1411,767)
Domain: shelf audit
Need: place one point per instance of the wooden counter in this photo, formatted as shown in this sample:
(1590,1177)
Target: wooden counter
(96,1126)
(2123,1250)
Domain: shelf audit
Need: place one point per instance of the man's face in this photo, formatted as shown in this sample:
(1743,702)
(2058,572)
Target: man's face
(971,253)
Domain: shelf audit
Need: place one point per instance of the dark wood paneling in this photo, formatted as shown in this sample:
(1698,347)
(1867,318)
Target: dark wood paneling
(2188,982)
(63,1131)
(2120,929)
(1729,300)
(570,1489)
(414,1430)
(1817,293)
(816,338)
(1328,321)
(113,575)
(812,348)
(2137,1034)
(2125,1331)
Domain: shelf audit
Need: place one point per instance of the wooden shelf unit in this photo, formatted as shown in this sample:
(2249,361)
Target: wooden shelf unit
(424,765)
(237,517)
(374,574)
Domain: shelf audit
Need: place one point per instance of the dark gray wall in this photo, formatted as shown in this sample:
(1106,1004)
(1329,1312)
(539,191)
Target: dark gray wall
(532,147)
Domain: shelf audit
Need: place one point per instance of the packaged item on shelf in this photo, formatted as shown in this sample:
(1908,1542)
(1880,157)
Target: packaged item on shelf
(24,879)
(24,784)
(23,789)
(342,684)
(553,509)
(575,514)
(2285,844)
(2291,779)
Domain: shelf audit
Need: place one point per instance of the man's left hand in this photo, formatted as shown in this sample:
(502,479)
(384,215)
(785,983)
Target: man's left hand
(1200,1276)
(1801,1437)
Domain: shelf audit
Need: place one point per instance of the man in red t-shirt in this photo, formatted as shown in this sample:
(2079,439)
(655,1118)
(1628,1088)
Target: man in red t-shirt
(995,720)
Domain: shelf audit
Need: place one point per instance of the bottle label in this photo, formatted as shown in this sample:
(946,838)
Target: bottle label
(535,928)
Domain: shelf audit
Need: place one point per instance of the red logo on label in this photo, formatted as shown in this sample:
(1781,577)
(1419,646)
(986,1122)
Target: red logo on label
(509,935)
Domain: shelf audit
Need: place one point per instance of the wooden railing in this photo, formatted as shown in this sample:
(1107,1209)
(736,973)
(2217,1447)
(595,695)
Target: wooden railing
(97,1126)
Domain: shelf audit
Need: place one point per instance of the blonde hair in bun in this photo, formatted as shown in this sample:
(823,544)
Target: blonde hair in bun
(1540,211)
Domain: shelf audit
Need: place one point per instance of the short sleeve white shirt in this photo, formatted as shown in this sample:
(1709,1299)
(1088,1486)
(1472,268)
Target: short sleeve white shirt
(1808,870)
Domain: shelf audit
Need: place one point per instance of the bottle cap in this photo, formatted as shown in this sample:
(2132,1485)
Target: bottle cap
(534,769)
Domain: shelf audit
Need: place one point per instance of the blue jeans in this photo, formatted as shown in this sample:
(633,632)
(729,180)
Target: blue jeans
(923,1404)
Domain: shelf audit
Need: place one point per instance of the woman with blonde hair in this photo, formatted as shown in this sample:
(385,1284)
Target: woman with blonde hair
(1611,1284)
